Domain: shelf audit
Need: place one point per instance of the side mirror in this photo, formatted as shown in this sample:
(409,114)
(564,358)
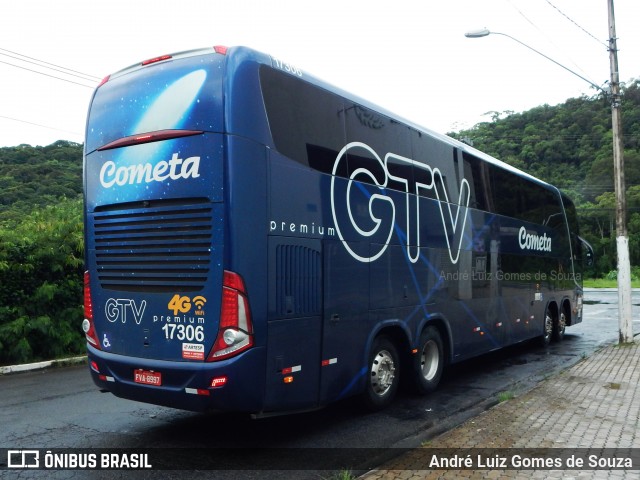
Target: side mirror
(588,252)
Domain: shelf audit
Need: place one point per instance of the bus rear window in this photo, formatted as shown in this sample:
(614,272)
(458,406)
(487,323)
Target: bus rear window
(182,94)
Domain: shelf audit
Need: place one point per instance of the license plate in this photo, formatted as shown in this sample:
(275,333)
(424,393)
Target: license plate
(147,377)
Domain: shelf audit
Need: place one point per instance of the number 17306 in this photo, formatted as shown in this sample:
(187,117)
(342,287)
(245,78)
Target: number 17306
(181,332)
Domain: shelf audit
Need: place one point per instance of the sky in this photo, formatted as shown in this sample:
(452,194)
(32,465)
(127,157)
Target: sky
(411,57)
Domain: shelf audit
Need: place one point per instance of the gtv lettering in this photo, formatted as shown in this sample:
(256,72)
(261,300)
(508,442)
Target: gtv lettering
(381,172)
(121,308)
(174,169)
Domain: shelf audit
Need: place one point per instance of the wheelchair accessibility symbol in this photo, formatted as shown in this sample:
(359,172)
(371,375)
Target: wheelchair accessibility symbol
(106,343)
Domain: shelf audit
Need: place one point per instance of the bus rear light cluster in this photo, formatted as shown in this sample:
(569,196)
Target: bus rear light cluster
(235,333)
(87,323)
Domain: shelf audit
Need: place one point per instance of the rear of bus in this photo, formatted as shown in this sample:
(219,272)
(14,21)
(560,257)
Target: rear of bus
(166,321)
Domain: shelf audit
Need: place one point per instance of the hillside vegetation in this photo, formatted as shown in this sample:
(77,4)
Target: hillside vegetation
(41,252)
(570,146)
(41,244)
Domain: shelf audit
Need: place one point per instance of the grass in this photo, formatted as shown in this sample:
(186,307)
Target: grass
(342,475)
(606,283)
(504,396)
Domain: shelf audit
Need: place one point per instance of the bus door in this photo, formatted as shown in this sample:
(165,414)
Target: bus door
(479,312)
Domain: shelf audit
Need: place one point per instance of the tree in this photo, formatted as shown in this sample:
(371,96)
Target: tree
(41,264)
(570,146)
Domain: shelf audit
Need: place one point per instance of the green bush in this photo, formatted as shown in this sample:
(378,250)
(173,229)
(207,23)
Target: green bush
(41,263)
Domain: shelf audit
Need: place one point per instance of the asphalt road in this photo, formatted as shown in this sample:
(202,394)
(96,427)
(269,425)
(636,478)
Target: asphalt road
(61,408)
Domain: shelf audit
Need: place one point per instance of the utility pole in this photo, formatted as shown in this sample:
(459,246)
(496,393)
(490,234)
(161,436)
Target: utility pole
(622,238)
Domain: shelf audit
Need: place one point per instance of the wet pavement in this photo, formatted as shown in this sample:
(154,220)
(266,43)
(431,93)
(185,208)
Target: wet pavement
(581,423)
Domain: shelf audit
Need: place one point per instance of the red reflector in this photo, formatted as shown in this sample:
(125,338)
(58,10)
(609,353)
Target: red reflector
(220,49)
(94,366)
(218,382)
(156,60)
(288,370)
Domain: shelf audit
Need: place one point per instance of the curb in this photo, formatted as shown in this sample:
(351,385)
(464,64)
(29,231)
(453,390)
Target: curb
(26,367)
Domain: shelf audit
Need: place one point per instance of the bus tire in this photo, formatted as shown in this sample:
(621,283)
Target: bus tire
(428,363)
(547,328)
(383,375)
(559,327)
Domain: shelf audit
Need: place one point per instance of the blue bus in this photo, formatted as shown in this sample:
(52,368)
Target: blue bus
(260,241)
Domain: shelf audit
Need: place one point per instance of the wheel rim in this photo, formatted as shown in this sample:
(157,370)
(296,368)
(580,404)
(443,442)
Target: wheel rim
(562,323)
(548,326)
(383,372)
(430,360)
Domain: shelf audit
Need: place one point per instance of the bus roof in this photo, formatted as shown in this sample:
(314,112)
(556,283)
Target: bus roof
(240,54)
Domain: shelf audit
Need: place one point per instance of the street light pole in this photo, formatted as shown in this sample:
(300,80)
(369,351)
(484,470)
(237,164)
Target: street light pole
(625,325)
(484,32)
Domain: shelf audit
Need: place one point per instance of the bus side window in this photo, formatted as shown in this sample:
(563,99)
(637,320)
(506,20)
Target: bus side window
(306,122)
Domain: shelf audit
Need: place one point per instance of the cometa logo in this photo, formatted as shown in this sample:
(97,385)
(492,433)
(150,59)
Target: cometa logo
(528,241)
(174,169)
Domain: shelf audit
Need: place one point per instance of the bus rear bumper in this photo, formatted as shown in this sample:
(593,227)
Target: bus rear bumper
(184,385)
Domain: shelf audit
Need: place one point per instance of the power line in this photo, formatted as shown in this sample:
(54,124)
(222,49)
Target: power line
(551,40)
(48,75)
(577,25)
(39,125)
(48,65)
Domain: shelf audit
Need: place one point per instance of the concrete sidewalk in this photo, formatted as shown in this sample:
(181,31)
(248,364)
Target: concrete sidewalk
(27,367)
(594,404)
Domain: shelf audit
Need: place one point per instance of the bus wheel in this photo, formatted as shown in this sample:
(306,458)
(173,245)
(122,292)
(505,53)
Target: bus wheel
(547,333)
(559,327)
(428,363)
(384,374)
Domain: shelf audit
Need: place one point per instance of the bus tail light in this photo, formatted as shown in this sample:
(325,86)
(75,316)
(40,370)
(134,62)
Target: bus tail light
(87,323)
(153,60)
(149,137)
(235,334)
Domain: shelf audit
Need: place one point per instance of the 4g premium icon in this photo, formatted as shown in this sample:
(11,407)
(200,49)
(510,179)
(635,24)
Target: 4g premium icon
(183,304)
